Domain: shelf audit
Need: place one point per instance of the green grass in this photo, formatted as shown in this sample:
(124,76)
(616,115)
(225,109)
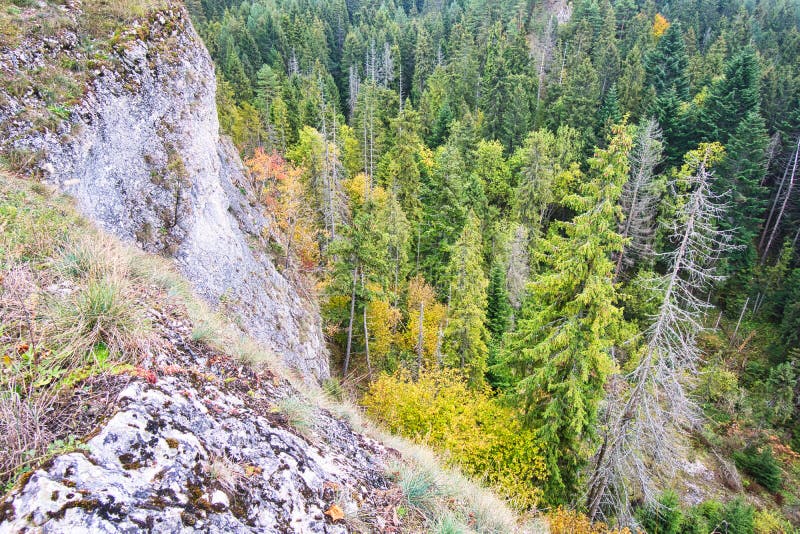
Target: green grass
(102,312)
(298,412)
(419,488)
(68,312)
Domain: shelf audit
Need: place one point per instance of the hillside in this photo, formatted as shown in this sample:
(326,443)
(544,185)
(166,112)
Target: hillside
(556,243)
(138,408)
(158,372)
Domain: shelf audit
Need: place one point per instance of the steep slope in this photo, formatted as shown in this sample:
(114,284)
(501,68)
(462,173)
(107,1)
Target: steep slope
(199,441)
(126,404)
(194,439)
(141,153)
(135,408)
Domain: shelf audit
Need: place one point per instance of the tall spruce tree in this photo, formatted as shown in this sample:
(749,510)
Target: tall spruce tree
(731,98)
(560,351)
(742,172)
(645,415)
(498,308)
(666,65)
(466,335)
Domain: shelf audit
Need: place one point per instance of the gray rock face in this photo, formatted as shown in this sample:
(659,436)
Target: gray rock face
(144,159)
(205,446)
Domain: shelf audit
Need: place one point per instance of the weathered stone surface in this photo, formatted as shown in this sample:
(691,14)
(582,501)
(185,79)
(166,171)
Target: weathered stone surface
(205,449)
(143,157)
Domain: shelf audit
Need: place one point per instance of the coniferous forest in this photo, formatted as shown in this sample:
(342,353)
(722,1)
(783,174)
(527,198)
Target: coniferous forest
(559,242)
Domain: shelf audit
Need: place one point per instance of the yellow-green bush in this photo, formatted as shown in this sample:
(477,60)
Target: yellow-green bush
(471,429)
(563,521)
(769,522)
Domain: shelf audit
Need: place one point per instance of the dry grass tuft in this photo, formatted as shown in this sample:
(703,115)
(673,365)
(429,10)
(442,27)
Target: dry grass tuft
(226,473)
(104,312)
(298,412)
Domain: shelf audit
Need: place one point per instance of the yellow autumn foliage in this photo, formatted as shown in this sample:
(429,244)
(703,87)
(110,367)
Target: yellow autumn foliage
(382,321)
(563,521)
(660,25)
(469,428)
(421,293)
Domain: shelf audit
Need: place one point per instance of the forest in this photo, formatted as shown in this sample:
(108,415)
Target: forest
(556,241)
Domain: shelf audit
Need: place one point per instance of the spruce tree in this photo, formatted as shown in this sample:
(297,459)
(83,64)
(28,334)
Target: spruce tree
(498,308)
(644,418)
(742,172)
(579,101)
(666,65)
(559,352)
(731,98)
(466,335)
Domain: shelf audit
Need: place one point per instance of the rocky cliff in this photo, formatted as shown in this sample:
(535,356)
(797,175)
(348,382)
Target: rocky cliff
(141,153)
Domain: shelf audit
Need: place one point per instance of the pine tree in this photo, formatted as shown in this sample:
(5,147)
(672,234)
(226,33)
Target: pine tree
(559,352)
(466,335)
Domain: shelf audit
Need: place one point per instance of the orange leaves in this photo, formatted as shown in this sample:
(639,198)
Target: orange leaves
(280,188)
(660,25)
(335,513)
(265,170)
(147,374)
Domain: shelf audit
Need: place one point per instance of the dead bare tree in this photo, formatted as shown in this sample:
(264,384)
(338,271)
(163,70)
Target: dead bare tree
(784,202)
(650,407)
(353,88)
(518,270)
(639,197)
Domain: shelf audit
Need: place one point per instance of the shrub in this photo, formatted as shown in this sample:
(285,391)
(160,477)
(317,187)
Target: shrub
(474,431)
(664,517)
(769,522)
(717,383)
(736,517)
(563,521)
(762,466)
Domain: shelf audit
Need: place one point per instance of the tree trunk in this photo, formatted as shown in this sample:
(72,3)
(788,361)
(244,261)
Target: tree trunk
(366,345)
(785,202)
(775,202)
